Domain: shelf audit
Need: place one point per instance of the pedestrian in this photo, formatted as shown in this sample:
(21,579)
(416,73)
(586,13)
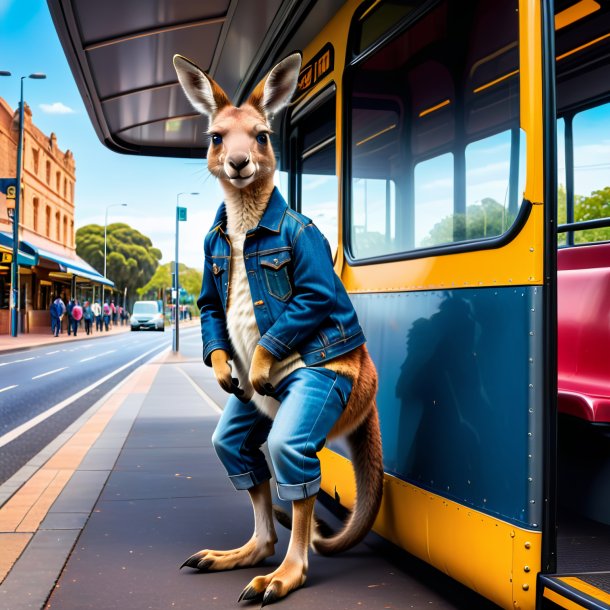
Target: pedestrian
(57,310)
(69,308)
(96,308)
(113,313)
(87,317)
(122,315)
(107,312)
(77,314)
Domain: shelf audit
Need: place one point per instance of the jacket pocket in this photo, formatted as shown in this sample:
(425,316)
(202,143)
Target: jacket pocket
(275,269)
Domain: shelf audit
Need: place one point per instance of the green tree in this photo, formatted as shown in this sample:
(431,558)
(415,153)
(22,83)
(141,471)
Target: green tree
(485,219)
(596,205)
(190,280)
(131,259)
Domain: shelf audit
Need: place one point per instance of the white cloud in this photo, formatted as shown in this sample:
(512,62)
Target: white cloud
(56,108)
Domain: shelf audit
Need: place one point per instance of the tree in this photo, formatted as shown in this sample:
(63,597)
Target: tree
(487,219)
(131,259)
(190,281)
(596,205)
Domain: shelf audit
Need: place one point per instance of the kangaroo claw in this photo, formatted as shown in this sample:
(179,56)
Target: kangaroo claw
(248,594)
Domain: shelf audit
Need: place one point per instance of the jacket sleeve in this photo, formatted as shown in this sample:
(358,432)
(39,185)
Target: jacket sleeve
(213,321)
(314,294)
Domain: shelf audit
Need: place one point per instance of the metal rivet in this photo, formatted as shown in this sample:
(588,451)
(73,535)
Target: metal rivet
(526,568)
(526,587)
(528,545)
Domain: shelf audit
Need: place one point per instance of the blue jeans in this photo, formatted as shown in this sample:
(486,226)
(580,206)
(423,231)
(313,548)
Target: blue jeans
(311,401)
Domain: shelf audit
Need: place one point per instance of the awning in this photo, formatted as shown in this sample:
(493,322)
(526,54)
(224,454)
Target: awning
(72,266)
(93,276)
(26,254)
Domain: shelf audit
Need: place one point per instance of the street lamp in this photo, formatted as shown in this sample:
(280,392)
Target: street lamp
(112,205)
(15,265)
(176,289)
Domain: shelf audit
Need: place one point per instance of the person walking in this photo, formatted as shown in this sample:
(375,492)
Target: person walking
(57,310)
(96,308)
(107,312)
(69,307)
(77,314)
(87,317)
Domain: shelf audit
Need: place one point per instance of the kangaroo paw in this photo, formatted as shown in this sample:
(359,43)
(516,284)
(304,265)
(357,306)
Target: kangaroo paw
(250,554)
(275,586)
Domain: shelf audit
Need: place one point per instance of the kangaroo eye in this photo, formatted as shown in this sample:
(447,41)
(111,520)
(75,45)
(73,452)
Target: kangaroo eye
(216,139)
(262,138)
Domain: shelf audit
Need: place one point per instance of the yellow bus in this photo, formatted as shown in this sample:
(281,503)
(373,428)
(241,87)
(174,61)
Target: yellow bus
(438,145)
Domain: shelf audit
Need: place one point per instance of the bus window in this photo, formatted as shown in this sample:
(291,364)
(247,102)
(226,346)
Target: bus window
(317,185)
(435,222)
(374,203)
(490,209)
(319,192)
(591,136)
(562,214)
(434,111)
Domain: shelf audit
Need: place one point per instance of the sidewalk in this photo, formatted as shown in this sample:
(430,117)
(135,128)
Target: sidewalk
(105,515)
(28,340)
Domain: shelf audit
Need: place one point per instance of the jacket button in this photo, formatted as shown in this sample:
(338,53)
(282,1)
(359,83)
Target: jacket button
(323,354)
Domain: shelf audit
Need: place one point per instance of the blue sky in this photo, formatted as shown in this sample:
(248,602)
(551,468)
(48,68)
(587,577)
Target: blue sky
(28,43)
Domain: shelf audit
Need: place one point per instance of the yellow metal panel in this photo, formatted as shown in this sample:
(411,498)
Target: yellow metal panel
(530,59)
(558,599)
(586,588)
(497,559)
(575,12)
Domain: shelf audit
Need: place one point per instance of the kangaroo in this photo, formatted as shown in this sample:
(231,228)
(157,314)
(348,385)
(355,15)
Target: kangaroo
(282,338)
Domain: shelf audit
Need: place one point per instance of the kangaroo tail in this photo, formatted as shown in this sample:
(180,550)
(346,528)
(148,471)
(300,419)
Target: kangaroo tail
(367,458)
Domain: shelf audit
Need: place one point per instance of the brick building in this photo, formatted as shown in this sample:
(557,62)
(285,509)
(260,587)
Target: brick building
(49,264)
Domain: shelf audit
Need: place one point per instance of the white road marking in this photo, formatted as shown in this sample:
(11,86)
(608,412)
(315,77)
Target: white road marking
(16,361)
(98,355)
(55,352)
(9,387)
(201,393)
(28,425)
(63,368)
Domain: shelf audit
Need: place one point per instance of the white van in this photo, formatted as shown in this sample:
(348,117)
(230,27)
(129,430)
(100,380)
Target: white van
(147,314)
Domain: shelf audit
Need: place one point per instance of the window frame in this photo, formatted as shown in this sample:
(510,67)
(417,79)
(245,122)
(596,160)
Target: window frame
(351,65)
(296,154)
(570,227)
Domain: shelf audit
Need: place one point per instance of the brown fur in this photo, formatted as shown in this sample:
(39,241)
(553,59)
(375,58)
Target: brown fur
(245,169)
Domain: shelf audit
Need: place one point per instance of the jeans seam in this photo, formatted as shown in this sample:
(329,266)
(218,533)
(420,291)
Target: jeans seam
(313,427)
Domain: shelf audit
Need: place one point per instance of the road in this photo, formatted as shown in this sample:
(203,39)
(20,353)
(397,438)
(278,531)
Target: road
(44,389)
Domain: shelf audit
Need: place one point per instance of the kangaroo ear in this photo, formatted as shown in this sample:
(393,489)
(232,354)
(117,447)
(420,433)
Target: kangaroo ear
(204,94)
(276,90)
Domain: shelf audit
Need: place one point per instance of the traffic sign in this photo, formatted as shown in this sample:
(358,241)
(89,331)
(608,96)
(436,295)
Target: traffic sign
(181,213)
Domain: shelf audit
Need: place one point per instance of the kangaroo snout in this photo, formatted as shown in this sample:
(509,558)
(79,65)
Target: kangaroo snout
(238,162)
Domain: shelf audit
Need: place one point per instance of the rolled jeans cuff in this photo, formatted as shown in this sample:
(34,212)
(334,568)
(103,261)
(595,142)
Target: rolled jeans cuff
(300,491)
(250,479)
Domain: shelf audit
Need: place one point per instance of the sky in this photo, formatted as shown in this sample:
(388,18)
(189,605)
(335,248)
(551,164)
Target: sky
(148,185)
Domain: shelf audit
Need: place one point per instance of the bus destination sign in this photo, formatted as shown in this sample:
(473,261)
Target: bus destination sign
(322,64)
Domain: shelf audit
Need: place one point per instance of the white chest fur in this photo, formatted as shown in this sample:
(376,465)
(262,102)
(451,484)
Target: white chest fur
(244,213)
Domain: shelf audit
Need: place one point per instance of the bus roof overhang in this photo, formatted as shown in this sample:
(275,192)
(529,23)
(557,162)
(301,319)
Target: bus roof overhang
(120,53)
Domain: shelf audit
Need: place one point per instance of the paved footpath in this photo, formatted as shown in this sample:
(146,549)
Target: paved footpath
(27,340)
(104,516)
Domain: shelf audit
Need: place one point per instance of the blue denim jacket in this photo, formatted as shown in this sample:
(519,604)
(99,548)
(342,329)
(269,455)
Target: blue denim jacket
(299,302)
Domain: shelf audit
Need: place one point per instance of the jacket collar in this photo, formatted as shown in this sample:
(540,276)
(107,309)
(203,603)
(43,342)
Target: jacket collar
(271,220)
(274,214)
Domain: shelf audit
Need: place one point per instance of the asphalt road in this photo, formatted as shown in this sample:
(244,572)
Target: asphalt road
(44,389)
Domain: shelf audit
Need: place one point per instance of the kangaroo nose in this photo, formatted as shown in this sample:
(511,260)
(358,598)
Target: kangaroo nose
(238,164)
